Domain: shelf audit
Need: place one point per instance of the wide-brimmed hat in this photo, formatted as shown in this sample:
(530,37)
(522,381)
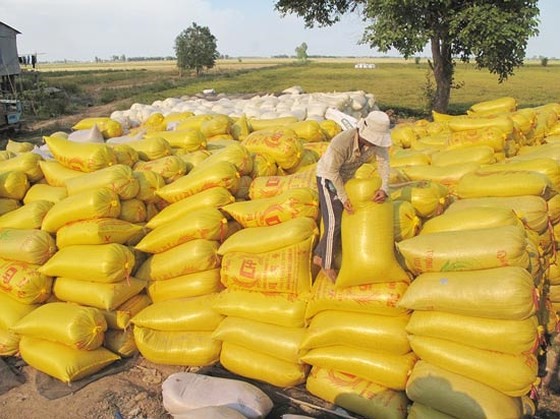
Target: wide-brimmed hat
(374,128)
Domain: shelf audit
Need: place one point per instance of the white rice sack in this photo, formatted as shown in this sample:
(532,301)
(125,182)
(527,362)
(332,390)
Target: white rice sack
(183,392)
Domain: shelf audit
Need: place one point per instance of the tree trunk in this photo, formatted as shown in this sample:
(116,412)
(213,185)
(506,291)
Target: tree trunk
(443,74)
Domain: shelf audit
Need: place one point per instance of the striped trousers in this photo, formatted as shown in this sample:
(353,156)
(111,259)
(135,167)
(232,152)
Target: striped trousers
(331,215)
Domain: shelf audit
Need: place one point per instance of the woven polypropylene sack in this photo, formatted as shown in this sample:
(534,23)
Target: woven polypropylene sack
(368,239)
(501,293)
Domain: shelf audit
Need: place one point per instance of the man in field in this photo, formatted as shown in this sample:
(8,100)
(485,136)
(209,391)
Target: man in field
(345,154)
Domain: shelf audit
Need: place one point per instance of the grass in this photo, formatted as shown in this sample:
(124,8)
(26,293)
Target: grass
(396,83)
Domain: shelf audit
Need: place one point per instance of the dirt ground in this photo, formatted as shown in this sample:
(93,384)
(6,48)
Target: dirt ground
(134,393)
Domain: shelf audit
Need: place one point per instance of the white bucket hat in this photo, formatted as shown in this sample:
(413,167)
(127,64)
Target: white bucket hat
(374,128)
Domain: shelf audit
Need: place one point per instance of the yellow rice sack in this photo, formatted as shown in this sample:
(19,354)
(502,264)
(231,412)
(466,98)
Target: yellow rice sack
(216,125)
(170,168)
(177,347)
(206,223)
(125,154)
(13,185)
(471,219)
(513,375)
(105,263)
(503,184)
(330,128)
(502,293)
(266,123)
(494,106)
(29,216)
(270,238)
(8,204)
(553,205)
(356,394)
(375,298)
(109,127)
(188,314)
(273,340)
(403,135)
(96,231)
(407,157)
(151,148)
(23,282)
(285,270)
(85,157)
(19,147)
(262,367)
(368,239)
(221,173)
(465,250)
(105,296)
(420,411)
(190,257)
(448,176)
(6,154)
(185,139)
(120,317)
(358,330)
(12,310)
(118,178)
(184,286)
(9,342)
(45,192)
(27,163)
(93,203)
(281,309)
(510,336)
(133,211)
(215,197)
(56,174)
(240,128)
(477,154)
(234,153)
(382,368)
(192,122)
(270,186)
(263,165)
(63,362)
(120,342)
(309,130)
(70,324)
(148,183)
(193,158)
(503,123)
(30,245)
(459,396)
(553,273)
(406,223)
(532,210)
(291,204)
(545,166)
(307,162)
(282,144)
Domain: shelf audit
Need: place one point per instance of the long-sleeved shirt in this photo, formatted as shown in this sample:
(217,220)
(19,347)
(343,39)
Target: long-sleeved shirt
(343,158)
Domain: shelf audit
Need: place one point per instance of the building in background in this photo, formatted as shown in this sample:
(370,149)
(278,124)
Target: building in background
(9,60)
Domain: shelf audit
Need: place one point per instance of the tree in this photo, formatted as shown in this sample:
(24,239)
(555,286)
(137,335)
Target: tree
(196,49)
(493,33)
(301,52)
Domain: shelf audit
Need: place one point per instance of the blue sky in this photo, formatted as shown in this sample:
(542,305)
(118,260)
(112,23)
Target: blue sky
(84,29)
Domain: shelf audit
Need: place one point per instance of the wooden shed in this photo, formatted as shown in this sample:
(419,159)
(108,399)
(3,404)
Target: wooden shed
(9,61)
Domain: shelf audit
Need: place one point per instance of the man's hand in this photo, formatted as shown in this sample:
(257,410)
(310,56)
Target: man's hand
(380,196)
(348,206)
